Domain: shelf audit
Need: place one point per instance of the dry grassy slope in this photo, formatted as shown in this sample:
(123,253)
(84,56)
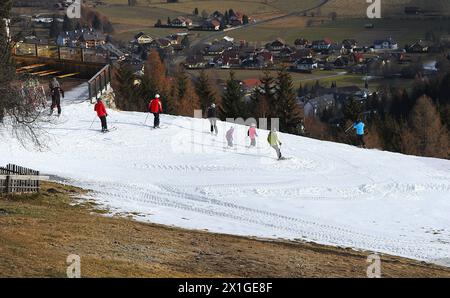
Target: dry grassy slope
(38,232)
(358,8)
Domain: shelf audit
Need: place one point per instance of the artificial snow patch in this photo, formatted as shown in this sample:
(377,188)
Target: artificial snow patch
(328,193)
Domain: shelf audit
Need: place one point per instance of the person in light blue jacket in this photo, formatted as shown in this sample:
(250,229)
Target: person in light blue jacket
(359,127)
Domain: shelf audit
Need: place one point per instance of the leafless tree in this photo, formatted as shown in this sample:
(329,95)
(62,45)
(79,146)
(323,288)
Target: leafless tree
(20,113)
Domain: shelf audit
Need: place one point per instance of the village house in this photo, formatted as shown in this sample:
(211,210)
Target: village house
(249,85)
(305,64)
(211,24)
(385,44)
(142,38)
(236,19)
(348,46)
(314,107)
(321,45)
(181,22)
(84,38)
(418,47)
(196,62)
(276,45)
(301,53)
(301,43)
(112,52)
(264,58)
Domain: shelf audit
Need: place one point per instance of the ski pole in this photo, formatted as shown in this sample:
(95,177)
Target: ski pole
(146,118)
(348,129)
(92,123)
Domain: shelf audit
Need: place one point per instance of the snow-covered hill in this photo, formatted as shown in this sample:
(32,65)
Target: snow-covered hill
(181,175)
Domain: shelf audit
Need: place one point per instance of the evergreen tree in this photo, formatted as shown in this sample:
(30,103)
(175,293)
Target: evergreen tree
(97,23)
(205,91)
(263,97)
(185,42)
(54,28)
(352,109)
(128,97)
(196,11)
(67,24)
(245,19)
(286,107)
(233,101)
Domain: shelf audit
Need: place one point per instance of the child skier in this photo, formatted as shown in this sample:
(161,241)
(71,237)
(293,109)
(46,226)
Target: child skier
(274,142)
(359,127)
(155,107)
(252,135)
(101,113)
(56,92)
(212,116)
(229,136)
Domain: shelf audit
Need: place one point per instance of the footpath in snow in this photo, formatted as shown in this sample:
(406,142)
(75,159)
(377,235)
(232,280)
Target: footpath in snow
(181,175)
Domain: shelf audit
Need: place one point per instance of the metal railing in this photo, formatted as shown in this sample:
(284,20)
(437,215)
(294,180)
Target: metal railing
(99,83)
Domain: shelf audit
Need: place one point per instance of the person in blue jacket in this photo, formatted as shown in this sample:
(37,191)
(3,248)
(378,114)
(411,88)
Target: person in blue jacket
(359,127)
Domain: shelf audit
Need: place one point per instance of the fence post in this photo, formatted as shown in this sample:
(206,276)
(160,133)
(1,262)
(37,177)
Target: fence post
(8,184)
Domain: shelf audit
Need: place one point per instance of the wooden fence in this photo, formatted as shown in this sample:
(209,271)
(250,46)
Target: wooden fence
(16,179)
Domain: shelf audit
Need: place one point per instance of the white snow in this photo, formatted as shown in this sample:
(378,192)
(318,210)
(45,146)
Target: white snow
(181,175)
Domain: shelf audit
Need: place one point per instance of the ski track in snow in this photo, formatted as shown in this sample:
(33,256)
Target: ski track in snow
(327,193)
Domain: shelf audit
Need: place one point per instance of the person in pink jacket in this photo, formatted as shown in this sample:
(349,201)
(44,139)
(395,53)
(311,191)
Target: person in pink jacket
(252,135)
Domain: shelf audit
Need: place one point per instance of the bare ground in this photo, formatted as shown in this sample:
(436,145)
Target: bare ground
(38,232)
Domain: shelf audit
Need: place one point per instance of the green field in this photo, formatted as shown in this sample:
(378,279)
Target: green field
(402,30)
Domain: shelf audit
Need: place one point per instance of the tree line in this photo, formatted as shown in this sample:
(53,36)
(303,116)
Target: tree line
(413,122)
(89,18)
(181,94)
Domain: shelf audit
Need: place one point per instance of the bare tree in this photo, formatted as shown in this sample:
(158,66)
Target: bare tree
(20,112)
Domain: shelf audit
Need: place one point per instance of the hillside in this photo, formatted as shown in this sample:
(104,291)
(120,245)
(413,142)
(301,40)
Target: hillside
(53,224)
(180,175)
(389,8)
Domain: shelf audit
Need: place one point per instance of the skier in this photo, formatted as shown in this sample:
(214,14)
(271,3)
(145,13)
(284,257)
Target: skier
(359,127)
(274,141)
(56,91)
(252,135)
(212,116)
(102,114)
(155,108)
(229,136)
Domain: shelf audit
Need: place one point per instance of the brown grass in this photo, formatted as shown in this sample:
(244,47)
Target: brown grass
(38,232)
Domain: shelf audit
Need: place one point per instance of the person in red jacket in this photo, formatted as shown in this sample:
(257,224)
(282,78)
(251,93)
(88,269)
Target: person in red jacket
(155,108)
(101,113)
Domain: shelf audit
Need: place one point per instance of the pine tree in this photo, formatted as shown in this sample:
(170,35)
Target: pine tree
(352,109)
(128,97)
(286,107)
(263,97)
(54,28)
(233,102)
(196,11)
(97,23)
(426,135)
(67,24)
(205,91)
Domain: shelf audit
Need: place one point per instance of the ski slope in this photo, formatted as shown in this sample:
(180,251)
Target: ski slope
(181,175)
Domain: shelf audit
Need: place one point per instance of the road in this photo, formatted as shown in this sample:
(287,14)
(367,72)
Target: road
(218,33)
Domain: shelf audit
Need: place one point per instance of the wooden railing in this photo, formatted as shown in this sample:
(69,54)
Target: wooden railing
(16,179)
(99,83)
